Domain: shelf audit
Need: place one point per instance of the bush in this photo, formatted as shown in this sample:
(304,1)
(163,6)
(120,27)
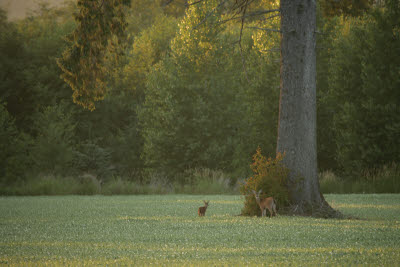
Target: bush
(330,183)
(119,186)
(205,181)
(269,175)
(54,185)
(383,180)
(88,185)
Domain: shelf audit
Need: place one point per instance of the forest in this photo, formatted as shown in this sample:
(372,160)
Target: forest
(191,98)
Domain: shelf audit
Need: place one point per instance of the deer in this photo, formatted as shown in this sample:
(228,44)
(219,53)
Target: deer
(202,210)
(267,203)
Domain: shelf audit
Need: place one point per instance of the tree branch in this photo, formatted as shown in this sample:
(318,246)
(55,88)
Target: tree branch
(264,29)
(271,50)
(102,3)
(208,14)
(240,42)
(270,17)
(320,33)
(186,4)
(251,15)
(194,3)
(263,12)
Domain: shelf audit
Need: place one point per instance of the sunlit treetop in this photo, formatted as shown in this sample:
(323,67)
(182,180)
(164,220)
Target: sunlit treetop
(266,35)
(197,29)
(100,30)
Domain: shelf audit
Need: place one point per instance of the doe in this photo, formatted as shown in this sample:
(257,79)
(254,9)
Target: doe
(202,210)
(267,203)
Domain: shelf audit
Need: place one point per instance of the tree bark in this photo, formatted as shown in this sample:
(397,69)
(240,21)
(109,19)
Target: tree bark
(297,135)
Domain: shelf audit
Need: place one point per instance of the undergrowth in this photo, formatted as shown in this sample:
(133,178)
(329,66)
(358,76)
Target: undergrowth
(382,180)
(206,181)
(270,176)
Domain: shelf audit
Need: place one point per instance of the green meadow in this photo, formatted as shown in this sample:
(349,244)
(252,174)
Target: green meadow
(166,230)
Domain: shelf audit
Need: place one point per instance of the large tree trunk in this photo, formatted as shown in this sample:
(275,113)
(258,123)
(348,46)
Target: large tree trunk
(297,135)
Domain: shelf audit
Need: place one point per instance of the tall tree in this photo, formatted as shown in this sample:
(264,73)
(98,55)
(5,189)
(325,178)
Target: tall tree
(297,136)
(100,28)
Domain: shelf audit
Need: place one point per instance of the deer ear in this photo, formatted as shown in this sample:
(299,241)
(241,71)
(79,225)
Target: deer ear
(254,192)
(259,192)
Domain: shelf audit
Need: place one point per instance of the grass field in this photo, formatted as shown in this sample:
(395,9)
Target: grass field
(165,230)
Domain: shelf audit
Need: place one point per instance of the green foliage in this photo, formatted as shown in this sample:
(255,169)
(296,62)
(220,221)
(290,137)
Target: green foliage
(364,82)
(200,110)
(53,150)
(8,134)
(31,78)
(126,150)
(166,230)
(183,105)
(100,28)
(54,185)
(345,7)
(11,54)
(150,46)
(205,181)
(383,180)
(145,13)
(270,176)
(13,144)
(261,105)
(91,158)
(109,140)
(188,116)
(141,15)
(230,116)
(326,107)
(119,186)
(329,183)
(30,81)
(12,69)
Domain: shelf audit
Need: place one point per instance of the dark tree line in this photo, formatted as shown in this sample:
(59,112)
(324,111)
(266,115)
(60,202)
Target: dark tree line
(183,96)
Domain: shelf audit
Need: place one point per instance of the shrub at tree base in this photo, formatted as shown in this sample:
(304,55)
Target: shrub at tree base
(270,175)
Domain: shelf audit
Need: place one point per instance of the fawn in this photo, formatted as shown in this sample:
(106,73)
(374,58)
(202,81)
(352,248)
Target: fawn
(267,203)
(202,210)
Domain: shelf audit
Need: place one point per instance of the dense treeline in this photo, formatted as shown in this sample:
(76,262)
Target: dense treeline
(185,97)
